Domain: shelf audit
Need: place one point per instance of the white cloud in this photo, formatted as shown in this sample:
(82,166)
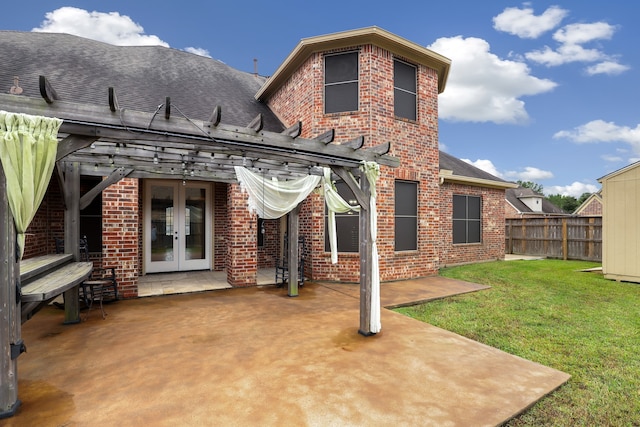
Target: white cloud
(584,33)
(597,131)
(485,165)
(576,189)
(483,87)
(198,51)
(611,158)
(564,55)
(111,28)
(529,173)
(523,23)
(607,67)
(571,39)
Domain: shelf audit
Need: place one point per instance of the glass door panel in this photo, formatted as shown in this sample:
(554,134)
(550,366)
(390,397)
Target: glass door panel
(163,244)
(178,236)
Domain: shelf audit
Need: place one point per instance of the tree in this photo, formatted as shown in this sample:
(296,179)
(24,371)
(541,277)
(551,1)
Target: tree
(532,185)
(566,203)
(583,198)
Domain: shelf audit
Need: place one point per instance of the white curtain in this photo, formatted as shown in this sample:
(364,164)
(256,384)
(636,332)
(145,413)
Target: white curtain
(271,199)
(28,147)
(335,204)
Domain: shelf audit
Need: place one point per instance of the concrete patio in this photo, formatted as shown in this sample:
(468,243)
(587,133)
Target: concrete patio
(254,356)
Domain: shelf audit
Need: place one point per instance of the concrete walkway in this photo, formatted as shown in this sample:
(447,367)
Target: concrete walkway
(254,356)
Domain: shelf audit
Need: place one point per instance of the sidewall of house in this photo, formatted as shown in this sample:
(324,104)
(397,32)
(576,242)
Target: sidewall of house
(492,225)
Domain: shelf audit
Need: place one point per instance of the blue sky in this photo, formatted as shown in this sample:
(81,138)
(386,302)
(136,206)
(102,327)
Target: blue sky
(539,91)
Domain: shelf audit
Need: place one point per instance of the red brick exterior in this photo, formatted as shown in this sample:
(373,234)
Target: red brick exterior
(241,260)
(492,245)
(121,233)
(592,208)
(220,225)
(415,143)
(510,211)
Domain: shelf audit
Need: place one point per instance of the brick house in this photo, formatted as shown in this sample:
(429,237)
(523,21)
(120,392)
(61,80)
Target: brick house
(433,210)
(523,202)
(592,206)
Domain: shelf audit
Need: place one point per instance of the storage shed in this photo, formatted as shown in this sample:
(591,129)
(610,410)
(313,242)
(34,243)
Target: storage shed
(621,224)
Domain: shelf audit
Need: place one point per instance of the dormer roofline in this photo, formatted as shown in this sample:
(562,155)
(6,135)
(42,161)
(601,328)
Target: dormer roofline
(369,35)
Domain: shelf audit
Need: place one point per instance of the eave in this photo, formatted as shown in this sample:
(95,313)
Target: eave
(447,176)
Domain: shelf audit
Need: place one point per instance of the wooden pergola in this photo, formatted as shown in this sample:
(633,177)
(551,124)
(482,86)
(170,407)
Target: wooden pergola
(114,142)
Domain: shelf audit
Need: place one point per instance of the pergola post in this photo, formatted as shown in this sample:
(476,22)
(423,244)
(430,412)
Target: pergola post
(292,255)
(10,318)
(71,194)
(366,255)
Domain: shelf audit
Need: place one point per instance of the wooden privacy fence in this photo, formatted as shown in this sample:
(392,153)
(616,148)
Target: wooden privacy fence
(564,237)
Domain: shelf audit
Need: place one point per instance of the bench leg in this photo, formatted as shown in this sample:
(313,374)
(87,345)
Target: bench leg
(71,306)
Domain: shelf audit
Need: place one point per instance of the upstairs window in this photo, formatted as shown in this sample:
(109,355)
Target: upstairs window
(341,82)
(466,219)
(404,90)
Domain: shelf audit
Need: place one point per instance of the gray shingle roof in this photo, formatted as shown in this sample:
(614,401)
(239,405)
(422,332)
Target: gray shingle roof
(513,196)
(462,168)
(81,70)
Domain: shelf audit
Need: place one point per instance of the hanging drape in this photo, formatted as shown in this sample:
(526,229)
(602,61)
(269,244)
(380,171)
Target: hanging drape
(335,204)
(28,147)
(271,199)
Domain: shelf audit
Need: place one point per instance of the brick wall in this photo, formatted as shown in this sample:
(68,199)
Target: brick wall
(241,258)
(120,233)
(510,211)
(593,208)
(415,143)
(220,225)
(493,223)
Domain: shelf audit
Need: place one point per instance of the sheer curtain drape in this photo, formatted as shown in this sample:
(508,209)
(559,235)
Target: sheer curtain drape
(28,147)
(271,199)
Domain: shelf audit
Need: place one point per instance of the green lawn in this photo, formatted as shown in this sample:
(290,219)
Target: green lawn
(549,312)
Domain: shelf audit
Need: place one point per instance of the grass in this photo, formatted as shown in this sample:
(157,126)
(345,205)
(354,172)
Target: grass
(549,312)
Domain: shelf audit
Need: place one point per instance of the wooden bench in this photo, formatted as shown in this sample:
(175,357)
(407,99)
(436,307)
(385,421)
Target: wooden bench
(45,277)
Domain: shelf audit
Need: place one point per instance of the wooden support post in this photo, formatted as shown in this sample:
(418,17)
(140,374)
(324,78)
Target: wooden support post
(71,192)
(362,193)
(292,255)
(565,247)
(366,258)
(10,323)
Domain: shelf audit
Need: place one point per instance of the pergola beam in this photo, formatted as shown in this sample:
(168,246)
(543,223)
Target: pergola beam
(114,177)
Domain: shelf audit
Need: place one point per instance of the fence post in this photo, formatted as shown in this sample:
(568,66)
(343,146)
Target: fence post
(565,246)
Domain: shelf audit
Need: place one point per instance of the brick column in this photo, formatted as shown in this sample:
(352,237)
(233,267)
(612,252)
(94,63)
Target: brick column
(241,260)
(120,232)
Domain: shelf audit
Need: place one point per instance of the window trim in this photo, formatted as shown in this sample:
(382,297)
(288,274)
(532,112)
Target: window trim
(397,88)
(466,220)
(333,84)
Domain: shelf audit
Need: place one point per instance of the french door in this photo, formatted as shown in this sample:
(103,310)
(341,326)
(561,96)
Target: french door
(177,226)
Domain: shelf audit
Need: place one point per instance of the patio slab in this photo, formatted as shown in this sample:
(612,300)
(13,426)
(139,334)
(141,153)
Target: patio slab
(257,357)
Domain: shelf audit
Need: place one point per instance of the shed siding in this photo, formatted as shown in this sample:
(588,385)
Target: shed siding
(621,225)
